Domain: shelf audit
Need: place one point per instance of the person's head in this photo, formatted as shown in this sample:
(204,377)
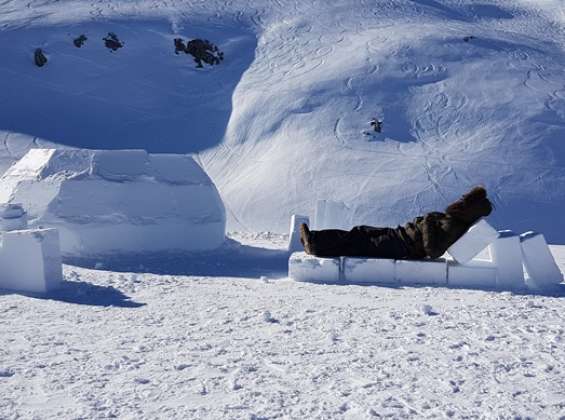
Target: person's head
(471,206)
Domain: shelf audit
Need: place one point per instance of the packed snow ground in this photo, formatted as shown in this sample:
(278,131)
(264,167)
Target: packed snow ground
(251,344)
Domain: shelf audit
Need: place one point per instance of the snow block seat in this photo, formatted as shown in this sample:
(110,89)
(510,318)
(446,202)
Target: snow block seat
(477,238)
(307,268)
(438,272)
(12,217)
(543,272)
(112,202)
(30,260)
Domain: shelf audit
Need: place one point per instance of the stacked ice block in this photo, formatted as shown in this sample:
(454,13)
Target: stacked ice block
(30,259)
(504,270)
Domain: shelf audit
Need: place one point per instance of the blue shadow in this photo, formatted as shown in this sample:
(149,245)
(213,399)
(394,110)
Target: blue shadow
(231,260)
(140,96)
(83,293)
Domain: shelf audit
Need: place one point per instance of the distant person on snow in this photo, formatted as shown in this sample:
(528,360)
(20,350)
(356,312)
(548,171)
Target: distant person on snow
(426,236)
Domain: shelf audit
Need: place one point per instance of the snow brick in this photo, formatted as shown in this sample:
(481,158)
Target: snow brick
(538,260)
(30,260)
(506,255)
(369,270)
(12,217)
(307,268)
(474,274)
(412,272)
(331,215)
(294,244)
(477,238)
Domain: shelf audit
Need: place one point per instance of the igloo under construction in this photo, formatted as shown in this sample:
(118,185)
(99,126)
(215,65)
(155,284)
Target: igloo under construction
(112,202)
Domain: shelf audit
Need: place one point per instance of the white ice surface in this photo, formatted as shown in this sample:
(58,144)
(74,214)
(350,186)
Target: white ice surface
(539,262)
(30,260)
(306,268)
(200,346)
(433,272)
(474,274)
(477,238)
(294,244)
(373,271)
(506,254)
(12,217)
(112,202)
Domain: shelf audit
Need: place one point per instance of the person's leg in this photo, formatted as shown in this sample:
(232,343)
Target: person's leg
(385,243)
(337,243)
(361,241)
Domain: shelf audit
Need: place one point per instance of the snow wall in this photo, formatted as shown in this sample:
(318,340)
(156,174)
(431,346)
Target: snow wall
(108,202)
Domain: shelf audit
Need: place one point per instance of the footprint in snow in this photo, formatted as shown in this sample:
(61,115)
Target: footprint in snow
(267,317)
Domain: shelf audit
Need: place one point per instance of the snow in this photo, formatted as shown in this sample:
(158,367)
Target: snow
(540,265)
(12,217)
(279,124)
(469,93)
(30,260)
(506,254)
(332,215)
(307,268)
(477,238)
(366,270)
(294,244)
(474,274)
(202,344)
(116,202)
(433,272)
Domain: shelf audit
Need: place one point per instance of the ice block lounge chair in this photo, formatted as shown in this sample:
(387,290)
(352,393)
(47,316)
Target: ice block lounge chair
(30,259)
(504,270)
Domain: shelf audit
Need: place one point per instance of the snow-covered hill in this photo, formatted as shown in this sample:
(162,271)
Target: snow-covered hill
(469,93)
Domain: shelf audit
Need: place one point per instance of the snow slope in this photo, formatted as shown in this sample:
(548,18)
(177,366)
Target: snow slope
(240,341)
(279,124)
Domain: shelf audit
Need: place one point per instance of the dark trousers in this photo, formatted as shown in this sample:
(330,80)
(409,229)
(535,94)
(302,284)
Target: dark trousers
(361,241)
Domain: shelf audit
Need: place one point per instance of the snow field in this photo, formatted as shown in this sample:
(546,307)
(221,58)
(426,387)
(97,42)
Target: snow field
(186,347)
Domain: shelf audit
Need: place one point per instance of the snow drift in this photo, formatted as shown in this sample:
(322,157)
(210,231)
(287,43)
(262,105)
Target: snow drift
(108,202)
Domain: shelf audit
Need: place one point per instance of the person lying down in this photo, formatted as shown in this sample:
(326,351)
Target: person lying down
(426,236)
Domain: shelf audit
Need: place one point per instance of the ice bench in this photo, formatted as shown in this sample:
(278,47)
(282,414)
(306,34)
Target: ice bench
(30,259)
(508,251)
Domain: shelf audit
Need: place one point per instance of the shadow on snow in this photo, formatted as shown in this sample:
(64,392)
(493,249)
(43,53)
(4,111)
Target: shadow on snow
(83,293)
(141,96)
(231,260)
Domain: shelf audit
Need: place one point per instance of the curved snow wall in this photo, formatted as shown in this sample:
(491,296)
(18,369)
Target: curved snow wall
(112,202)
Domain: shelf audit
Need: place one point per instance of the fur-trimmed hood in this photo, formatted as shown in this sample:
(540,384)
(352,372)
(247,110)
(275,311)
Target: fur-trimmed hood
(471,206)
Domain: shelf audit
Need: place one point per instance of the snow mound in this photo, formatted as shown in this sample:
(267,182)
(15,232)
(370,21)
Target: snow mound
(108,202)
